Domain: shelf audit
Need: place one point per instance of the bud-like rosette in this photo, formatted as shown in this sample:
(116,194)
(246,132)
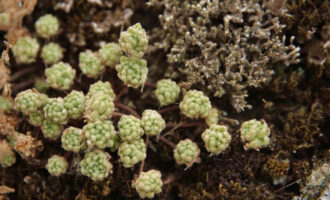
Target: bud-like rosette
(212,117)
(130,128)
(195,104)
(5,104)
(51,53)
(96,165)
(110,54)
(134,41)
(36,118)
(7,159)
(255,133)
(131,153)
(216,138)
(90,64)
(73,139)
(74,103)
(28,101)
(101,134)
(186,152)
(100,86)
(55,111)
(148,184)
(25,50)
(51,130)
(60,76)
(99,107)
(132,71)
(47,26)
(57,165)
(167,91)
(152,122)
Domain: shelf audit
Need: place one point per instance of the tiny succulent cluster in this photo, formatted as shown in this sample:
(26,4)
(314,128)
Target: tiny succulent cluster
(255,133)
(60,76)
(152,122)
(51,129)
(110,54)
(130,128)
(186,152)
(55,111)
(195,104)
(25,50)
(132,71)
(28,101)
(216,138)
(131,153)
(57,165)
(73,139)
(47,26)
(74,103)
(101,134)
(90,64)
(167,91)
(96,165)
(148,184)
(51,53)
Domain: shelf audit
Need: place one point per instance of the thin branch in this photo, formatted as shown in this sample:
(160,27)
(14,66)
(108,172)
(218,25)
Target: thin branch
(142,163)
(148,84)
(169,108)
(185,125)
(22,72)
(127,108)
(166,141)
(117,114)
(22,85)
(121,93)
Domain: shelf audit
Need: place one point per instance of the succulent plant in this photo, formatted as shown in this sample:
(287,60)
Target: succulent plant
(152,122)
(130,128)
(5,104)
(90,64)
(96,165)
(60,76)
(51,53)
(186,152)
(44,99)
(255,133)
(57,165)
(167,91)
(110,54)
(101,134)
(47,26)
(195,104)
(8,159)
(216,138)
(99,107)
(134,41)
(25,50)
(132,71)
(28,101)
(148,184)
(131,153)
(50,129)
(100,86)
(55,111)
(212,117)
(74,103)
(36,118)
(73,139)
(5,19)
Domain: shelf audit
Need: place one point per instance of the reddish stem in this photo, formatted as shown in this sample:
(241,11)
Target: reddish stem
(169,108)
(117,114)
(191,124)
(127,108)
(142,163)
(22,72)
(169,143)
(121,93)
(148,84)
